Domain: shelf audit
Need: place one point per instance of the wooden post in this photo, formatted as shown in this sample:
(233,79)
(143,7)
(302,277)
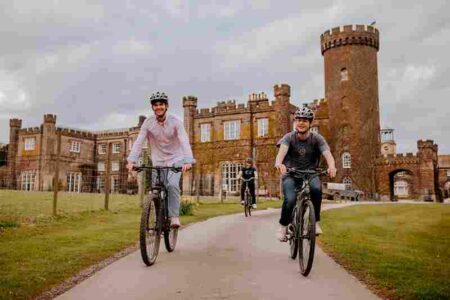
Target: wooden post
(197,187)
(56,177)
(107,175)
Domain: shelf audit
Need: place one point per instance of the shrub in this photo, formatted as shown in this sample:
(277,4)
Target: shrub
(186,208)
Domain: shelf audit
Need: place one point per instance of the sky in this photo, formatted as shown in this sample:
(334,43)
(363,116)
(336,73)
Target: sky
(95,63)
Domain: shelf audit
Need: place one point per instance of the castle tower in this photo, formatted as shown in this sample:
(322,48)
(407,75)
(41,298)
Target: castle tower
(282,94)
(14,126)
(388,145)
(428,170)
(49,142)
(190,107)
(351,87)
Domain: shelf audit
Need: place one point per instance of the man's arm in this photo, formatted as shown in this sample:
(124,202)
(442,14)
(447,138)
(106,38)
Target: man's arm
(137,147)
(188,157)
(330,162)
(280,157)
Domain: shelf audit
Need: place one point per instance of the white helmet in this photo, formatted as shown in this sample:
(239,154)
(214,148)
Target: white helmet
(304,113)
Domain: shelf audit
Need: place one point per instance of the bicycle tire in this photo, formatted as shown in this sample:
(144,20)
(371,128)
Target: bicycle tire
(170,238)
(293,239)
(246,205)
(307,237)
(150,231)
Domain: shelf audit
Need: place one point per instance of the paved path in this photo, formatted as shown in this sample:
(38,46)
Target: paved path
(229,257)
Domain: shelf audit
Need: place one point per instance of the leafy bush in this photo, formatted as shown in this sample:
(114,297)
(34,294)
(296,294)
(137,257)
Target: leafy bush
(186,208)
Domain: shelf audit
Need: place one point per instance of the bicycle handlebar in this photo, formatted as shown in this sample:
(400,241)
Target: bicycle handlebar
(296,171)
(142,168)
(247,180)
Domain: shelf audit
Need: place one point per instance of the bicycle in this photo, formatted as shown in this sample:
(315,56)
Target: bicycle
(155,218)
(247,199)
(301,232)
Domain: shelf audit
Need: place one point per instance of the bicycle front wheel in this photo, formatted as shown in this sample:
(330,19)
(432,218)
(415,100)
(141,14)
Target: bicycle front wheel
(150,231)
(170,239)
(293,233)
(306,237)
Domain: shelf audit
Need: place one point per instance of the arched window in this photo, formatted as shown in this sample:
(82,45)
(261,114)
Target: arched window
(346,160)
(345,103)
(348,183)
(344,74)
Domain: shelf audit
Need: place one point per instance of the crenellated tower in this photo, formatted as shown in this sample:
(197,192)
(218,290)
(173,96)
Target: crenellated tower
(351,87)
(190,108)
(14,126)
(282,94)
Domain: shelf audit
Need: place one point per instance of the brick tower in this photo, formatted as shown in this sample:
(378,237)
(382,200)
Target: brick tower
(190,108)
(282,94)
(351,88)
(14,126)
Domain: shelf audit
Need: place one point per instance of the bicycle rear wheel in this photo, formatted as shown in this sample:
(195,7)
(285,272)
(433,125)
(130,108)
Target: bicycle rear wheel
(170,238)
(293,233)
(246,209)
(150,231)
(307,237)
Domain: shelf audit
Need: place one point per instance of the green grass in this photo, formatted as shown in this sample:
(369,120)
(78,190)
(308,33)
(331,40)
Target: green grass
(38,251)
(402,251)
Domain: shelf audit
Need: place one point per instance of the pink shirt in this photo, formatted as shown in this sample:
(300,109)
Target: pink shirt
(168,141)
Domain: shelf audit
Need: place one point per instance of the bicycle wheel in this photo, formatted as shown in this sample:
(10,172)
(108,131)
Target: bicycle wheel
(293,233)
(150,232)
(307,237)
(249,204)
(170,238)
(246,205)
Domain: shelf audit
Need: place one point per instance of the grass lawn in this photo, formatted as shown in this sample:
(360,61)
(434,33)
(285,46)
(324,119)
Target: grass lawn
(38,251)
(402,251)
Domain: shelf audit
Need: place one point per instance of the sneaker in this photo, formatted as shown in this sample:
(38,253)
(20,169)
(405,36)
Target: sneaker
(242,202)
(281,234)
(318,229)
(254,206)
(175,222)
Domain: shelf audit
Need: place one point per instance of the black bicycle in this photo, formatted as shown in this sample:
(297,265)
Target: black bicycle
(247,198)
(302,228)
(155,217)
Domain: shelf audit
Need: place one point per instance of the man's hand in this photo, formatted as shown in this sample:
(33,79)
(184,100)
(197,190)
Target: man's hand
(130,166)
(281,168)
(332,171)
(186,167)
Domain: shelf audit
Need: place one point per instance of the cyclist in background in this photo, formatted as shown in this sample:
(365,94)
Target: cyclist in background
(169,143)
(248,173)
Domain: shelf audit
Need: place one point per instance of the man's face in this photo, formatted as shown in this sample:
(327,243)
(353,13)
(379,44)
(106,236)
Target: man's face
(159,108)
(302,125)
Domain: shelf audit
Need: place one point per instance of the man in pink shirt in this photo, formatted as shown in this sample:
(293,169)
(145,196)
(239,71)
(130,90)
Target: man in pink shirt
(169,147)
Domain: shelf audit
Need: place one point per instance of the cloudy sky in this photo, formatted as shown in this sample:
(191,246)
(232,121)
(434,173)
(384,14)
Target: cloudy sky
(94,63)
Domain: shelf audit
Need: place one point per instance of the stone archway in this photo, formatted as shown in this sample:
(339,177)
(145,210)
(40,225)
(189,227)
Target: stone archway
(404,176)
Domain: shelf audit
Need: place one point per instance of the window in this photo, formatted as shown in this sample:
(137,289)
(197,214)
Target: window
(100,184)
(315,129)
(75,146)
(346,160)
(30,143)
(115,184)
(448,173)
(344,74)
(115,166)
(28,179)
(263,127)
(73,182)
(101,148)
(348,183)
(231,130)
(116,148)
(205,133)
(101,167)
(130,144)
(230,172)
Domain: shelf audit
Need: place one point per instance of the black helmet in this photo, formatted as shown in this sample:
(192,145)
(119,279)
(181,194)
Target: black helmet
(304,113)
(249,160)
(159,97)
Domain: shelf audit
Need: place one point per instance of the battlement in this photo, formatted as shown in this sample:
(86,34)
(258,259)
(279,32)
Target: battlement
(282,89)
(49,119)
(16,123)
(258,97)
(350,35)
(189,101)
(425,144)
(398,159)
(30,130)
(77,133)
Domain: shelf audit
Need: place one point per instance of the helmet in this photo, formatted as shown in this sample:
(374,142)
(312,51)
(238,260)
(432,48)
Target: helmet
(249,160)
(304,113)
(159,97)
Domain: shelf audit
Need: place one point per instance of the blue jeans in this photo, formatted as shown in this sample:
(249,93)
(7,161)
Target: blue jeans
(171,181)
(289,184)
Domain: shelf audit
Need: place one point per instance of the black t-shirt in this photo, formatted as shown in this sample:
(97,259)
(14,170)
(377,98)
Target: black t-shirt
(304,154)
(248,172)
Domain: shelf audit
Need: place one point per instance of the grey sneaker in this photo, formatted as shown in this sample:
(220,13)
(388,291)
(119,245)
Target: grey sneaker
(254,206)
(318,229)
(281,234)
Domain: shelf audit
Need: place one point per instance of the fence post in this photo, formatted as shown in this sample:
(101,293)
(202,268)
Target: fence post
(107,175)
(197,188)
(56,176)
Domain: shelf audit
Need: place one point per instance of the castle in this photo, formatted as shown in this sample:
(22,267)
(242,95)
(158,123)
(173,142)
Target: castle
(222,137)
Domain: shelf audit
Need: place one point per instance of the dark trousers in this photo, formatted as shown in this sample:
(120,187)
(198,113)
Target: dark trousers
(251,187)
(289,185)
